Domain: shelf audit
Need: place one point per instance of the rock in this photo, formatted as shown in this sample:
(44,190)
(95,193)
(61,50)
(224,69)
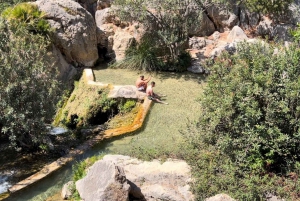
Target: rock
(222,17)
(104,181)
(216,35)
(282,32)
(75,30)
(217,51)
(155,180)
(126,91)
(103,17)
(122,41)
(220,197)
(89,5)
(102,4)
(66,71)
(265,27)
(196,68)
(91,131)
(248,19)
(236,34)
(203,28)
(66,192)
(197,43)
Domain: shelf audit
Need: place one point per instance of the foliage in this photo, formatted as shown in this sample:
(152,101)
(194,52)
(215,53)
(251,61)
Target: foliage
(184,61)
(127,106)
(146,57)
(274,7)
(167,22)
(296,33)
(250,118)
(84,104)
(27,15)
(27,83)
(8,3)
(141,57)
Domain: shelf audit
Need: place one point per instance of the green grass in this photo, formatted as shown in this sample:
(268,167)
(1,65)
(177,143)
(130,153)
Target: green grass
(160,136)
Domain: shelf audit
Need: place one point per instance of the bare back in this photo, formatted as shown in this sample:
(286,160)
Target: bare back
(149,91)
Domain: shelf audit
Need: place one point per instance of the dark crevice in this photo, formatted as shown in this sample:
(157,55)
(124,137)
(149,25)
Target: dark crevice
(206,13)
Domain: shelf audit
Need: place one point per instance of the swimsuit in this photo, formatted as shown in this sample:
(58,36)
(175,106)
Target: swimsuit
(141,88)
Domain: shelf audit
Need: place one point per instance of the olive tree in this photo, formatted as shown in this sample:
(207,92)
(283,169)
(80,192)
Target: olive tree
(28,88)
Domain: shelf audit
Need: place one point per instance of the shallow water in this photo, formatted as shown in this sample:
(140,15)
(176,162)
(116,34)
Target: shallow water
(160,132)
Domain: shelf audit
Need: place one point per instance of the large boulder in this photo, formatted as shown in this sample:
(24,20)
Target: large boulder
(155,180)
(89,5)
(66,71)
(104,181)
(223,18)
(122,40)
(75,30)
(204,27)
(248,20)
(236,34)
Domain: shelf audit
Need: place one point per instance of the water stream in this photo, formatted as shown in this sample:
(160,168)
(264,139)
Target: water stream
(160,133)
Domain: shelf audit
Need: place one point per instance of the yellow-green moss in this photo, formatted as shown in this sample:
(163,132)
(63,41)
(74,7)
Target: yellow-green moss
(84,102)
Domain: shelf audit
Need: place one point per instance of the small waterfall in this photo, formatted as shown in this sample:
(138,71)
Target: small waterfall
(4,184)
(57,131)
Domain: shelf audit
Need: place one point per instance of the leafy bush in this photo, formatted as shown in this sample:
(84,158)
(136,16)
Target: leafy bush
(184,61)
(28,16)
(27,83)
(127,106)
(141,57)
(274,7)
(250,118)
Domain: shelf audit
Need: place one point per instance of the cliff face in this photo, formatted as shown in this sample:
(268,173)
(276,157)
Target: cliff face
(88,30)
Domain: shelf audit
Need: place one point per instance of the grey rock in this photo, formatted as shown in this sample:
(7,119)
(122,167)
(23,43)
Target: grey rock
(248,20)
(196,67)
(265,28)
(236,34)
(197,43)
(66,70)
(204,27)
(220,197)
(75,30)
(104,181)
(155,180)
(122,41)
(281,32)
(66,192)
(223,18)
(102,4)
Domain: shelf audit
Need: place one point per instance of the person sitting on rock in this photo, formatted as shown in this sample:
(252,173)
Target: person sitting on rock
(141,83)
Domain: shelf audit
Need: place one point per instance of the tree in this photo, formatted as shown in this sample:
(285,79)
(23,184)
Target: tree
(28,88)
(167,21)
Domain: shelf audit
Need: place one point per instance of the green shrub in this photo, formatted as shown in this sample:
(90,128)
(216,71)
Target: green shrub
(27,15)
(274,7)
(250,118)
(141,57)
(184,61)
(127,106)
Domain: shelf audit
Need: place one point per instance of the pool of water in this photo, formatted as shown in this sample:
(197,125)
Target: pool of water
(159,135)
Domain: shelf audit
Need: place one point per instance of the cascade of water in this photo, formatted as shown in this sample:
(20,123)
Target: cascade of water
(4,184)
